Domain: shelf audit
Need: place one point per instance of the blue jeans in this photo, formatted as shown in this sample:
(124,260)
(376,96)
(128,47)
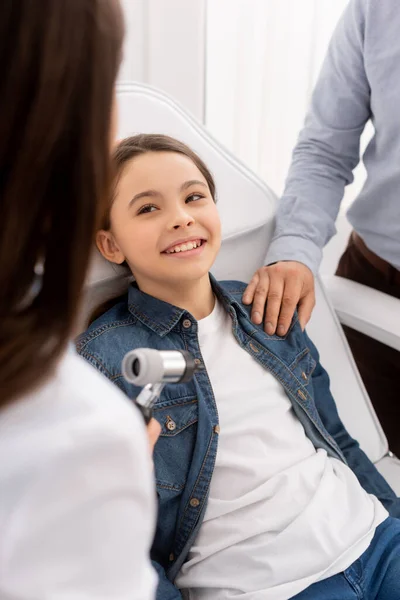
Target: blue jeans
(374,576)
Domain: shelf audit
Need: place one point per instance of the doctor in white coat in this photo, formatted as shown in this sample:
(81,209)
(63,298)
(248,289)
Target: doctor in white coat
(77,504)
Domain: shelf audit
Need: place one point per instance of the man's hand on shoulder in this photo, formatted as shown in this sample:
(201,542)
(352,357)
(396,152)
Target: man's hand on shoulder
(284,285)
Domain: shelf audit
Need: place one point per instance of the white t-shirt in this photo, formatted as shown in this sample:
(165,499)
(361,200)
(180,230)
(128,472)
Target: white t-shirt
(77,502)
(281,515)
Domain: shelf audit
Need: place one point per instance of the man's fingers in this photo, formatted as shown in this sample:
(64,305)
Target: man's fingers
(273,305)
(284,285)
(305,309)
(290,299)
(260,298)
(248,293)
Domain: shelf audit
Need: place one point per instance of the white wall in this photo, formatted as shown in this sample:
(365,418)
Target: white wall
(263,57)
(165,47)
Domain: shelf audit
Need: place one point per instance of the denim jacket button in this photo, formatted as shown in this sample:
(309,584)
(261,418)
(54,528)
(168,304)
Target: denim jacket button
(253,347)
(187,323)
(171,557)
(171,425)
(217,429)
(304,376)
(194,502)
(302,395)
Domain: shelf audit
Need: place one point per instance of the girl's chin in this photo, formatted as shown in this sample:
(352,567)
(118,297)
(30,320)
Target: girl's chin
(187,275)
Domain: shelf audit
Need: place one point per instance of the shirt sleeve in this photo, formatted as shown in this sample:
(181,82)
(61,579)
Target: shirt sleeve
(84,527)
(328,148)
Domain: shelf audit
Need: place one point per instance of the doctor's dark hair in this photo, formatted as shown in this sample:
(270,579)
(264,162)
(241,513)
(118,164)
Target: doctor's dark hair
(136,145)
(59,61)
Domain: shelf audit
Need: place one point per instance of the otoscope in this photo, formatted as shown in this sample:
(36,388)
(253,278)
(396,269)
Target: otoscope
(153,369)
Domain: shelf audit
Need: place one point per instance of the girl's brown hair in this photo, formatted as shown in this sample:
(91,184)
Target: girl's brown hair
(59,60)
(136,145)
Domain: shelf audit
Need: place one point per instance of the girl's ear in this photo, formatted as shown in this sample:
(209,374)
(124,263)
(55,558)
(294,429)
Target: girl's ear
(108,247)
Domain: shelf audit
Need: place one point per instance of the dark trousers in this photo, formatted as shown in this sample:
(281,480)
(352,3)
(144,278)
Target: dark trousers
(379,365)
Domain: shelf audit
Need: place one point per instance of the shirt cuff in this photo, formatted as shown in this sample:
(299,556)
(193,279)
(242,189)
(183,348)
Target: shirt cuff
(290,247)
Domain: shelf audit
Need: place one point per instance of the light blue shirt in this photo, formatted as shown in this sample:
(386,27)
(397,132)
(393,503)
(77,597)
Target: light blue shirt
(359,80)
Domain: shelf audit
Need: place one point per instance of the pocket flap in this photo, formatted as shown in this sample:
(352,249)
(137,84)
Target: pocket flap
(175,417)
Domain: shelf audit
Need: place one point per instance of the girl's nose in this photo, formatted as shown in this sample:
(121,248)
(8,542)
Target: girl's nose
(183,219)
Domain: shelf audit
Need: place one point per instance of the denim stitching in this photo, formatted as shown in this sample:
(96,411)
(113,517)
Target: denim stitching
(174,402)
(167,486)
(93,359)
(351,580)
(298,358)
(159,328)
(81,343)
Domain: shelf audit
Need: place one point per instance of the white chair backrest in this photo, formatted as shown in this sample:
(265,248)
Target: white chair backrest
(247,207)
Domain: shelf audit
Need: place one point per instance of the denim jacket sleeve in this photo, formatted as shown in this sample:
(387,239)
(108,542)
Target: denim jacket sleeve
(166,590)
(366,472)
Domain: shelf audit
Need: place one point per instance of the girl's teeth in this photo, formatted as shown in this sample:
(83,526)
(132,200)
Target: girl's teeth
(185,247)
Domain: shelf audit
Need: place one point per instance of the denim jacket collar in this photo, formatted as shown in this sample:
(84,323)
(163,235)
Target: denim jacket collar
(161,317)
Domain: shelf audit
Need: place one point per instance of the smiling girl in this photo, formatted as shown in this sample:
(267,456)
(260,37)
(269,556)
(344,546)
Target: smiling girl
(164,222)
(257,496)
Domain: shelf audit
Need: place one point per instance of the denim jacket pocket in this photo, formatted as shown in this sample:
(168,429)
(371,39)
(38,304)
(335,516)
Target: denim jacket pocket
(174,449)
(303,366)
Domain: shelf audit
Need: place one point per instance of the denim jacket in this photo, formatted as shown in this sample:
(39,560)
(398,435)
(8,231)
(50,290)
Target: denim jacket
(185,453)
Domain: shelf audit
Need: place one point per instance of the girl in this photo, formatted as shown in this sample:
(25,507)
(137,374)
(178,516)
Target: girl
(76,499)
(253,464)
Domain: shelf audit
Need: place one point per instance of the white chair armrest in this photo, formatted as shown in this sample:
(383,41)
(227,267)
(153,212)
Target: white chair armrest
(364,309)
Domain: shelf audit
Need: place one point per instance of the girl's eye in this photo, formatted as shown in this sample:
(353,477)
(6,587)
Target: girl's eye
(148,208)
(194,197)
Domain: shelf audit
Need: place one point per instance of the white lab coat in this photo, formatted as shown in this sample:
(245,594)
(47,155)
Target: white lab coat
(77,502)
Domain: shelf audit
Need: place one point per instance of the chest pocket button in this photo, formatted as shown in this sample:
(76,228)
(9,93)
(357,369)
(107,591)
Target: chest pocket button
(170,424)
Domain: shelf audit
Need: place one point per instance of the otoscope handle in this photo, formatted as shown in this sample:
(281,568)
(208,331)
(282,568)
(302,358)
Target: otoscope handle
(146,399)
(147,412)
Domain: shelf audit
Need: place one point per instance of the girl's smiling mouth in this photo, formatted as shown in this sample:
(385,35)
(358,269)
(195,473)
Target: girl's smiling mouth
(189,247)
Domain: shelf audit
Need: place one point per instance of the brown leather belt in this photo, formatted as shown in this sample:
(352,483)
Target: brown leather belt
(376,261)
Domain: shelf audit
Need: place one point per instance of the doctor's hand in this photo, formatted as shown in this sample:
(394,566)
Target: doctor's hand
(153,433)
(283,285)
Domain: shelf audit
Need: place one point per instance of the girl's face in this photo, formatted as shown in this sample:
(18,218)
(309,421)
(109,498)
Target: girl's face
(164,222)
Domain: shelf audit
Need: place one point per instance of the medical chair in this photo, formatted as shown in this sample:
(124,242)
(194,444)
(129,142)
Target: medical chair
(247,207)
